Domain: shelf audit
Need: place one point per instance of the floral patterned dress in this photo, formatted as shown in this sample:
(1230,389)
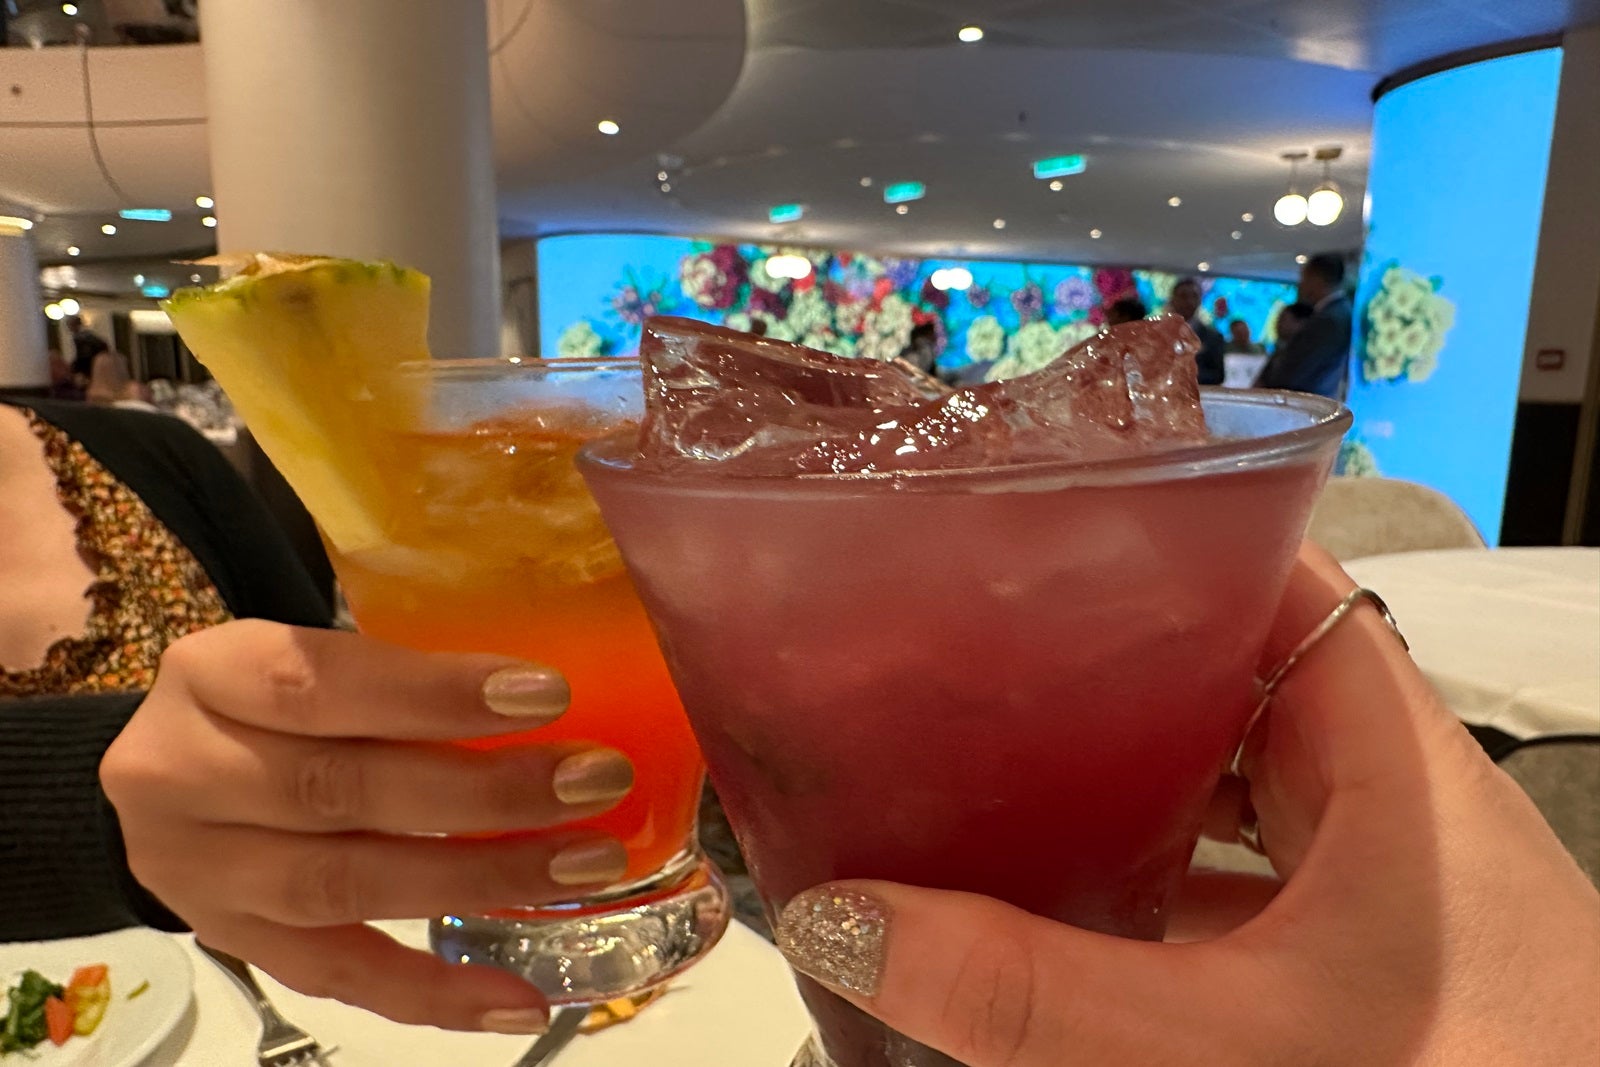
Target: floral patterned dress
(148,590)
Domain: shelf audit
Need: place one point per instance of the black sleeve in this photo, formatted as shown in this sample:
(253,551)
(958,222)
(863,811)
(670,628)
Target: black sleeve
(252,560)
(62,868)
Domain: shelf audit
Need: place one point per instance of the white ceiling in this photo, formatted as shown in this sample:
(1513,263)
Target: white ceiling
(1188,98)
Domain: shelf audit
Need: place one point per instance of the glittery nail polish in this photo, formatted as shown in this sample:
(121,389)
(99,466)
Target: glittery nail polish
(837,936)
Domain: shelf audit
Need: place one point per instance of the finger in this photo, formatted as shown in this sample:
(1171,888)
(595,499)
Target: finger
(1214,903)
(364,967)
(1353,714)
(330,684)
(993,986)
(321,785)
(339,879)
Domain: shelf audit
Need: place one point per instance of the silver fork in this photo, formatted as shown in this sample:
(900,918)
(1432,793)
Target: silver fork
(283,1044)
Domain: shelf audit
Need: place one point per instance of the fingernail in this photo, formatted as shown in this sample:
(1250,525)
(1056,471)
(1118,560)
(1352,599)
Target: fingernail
(592,776)
(589,863)
(514,1021)
(837,936)
(527,691)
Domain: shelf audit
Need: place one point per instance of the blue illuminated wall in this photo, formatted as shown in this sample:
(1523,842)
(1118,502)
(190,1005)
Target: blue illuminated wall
(595,289)
(1457,185)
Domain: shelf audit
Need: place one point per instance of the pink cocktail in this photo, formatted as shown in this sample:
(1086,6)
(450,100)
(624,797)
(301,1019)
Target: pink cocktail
(1022,682)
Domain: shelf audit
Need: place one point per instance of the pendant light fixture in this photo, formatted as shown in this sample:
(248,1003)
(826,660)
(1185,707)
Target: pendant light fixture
(1292,208)
(1326,202)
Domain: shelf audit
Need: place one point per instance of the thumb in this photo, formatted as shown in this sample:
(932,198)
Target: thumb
(994,986)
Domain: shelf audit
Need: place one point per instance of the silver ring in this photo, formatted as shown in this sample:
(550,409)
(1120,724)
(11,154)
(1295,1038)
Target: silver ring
(1347,605)
(1322,629)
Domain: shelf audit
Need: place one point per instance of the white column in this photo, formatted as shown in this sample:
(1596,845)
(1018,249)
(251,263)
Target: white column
(360,128)
(24,359)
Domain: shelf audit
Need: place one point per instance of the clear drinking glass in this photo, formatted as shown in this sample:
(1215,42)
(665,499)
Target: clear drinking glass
(494,545)
(1022,682)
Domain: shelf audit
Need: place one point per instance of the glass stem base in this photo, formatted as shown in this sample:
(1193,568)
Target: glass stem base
(616,945)
(896,1051)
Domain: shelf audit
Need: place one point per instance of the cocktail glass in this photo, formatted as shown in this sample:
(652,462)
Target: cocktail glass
(1022,682)
(494,545)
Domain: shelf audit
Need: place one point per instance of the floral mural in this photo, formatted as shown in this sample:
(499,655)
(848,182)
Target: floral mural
(1013,318)
(1357,461)
(1404,326)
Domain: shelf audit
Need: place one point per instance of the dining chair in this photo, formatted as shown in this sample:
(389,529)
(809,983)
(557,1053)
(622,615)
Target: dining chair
(1358,517)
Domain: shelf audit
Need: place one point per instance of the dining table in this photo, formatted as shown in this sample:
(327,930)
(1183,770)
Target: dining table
(1510,637)
(737,1006)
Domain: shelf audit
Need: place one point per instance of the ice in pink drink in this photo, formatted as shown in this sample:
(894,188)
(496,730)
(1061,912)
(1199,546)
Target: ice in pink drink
(1021,681)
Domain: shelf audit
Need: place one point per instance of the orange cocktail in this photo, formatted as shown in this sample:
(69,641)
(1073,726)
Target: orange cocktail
(508,517)
(493,544)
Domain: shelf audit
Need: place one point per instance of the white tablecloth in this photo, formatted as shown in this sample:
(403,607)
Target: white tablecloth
(1510,637)
(737,1006)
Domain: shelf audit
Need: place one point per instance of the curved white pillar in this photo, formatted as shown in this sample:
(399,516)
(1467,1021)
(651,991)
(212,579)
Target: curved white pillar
(361,128)
(24,360)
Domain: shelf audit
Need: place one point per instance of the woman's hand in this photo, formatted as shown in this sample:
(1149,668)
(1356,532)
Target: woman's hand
(279,787)
(1429,915)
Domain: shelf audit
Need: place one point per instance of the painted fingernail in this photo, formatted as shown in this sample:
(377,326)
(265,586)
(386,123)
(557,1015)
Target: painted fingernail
(589,863)
(591,777)
(527,691)
(514,1021)
(837,936)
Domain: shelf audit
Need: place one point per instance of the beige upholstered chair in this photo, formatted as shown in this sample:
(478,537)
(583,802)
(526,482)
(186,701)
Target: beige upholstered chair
(1371,516)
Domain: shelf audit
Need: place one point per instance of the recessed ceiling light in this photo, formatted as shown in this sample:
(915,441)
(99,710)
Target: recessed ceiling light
(208,221)
(204,202)
(1096,235)
(194,278)
(70,306)
(866,182)
(1248,216)
(662,176)
(1203,266)
(108,229)
(970,34)
(1175,201)
(666,187)
(73,250)
(69,10)
(902,209)
(1056,186)
(1237,235)
(1301,259)
(999,224)
(15,222)
(607,127)
(138,279)
(54,313)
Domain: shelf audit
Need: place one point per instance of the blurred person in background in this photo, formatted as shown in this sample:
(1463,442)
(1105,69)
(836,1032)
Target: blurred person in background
(1290,318)
(1240,341)
(1184,302)
(86,345)
(1316,359)
(1128,309)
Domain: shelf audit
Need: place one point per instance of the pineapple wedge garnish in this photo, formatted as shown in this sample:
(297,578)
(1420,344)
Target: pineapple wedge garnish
(306,348)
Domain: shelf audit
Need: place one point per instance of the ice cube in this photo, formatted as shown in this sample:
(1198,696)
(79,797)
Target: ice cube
(751,406)
(745,402)
(1163,380)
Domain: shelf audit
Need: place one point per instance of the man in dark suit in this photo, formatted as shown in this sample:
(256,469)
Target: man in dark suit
(1184,302)
(1317,358)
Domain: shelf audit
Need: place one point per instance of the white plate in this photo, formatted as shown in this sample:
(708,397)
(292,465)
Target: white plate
(131,1029)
